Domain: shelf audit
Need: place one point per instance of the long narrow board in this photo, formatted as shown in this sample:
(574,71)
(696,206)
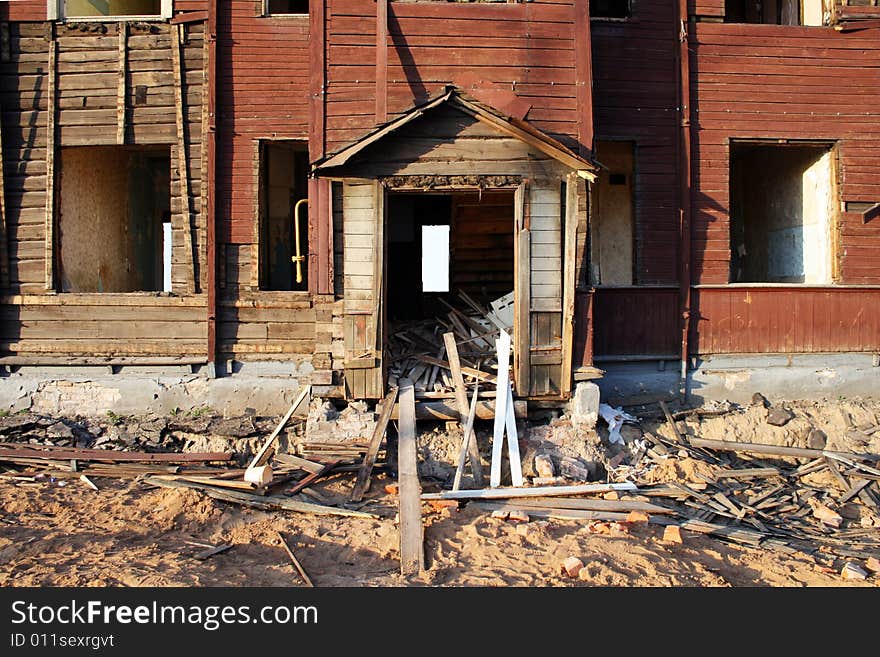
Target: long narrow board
(363,479)
(470,437)
(468,428)
(516,477)
(261,456)
(502,345)
(412,554)
(536,491)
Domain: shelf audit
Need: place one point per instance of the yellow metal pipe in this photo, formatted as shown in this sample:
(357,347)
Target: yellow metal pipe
(299,257)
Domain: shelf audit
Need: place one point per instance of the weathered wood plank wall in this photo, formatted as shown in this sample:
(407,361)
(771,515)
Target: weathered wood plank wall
(87,112)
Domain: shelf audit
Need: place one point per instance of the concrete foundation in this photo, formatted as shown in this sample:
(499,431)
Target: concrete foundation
(270,388)
(736,378)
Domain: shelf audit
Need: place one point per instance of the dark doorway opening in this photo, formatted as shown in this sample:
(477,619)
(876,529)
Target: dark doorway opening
(441,244)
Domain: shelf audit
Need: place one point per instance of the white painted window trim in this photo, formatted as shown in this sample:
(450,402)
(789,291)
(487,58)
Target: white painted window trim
(55,11)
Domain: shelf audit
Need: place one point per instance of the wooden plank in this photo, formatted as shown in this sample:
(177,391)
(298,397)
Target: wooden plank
(51,144)
(469,437)
(501,400)
(776,450)
(441,410)
(4,234)
(121,83)
(182,159)
(468,428)
(267,502)
(362,484)
(595,505)
(262,455)
(522,289)
(311,478)
(537,491)
(111,456)
(295,561)
(516,477)
(678,436)
(381,61)
(412,554)
(568,281)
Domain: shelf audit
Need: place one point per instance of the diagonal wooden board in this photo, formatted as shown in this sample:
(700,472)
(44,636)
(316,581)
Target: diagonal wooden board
(470,437)
(468,428)
(262,456)
(412,554)
(362,484)
(516,477)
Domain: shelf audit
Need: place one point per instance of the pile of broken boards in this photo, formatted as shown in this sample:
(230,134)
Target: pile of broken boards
(416,349)
(209,472)
(757,495)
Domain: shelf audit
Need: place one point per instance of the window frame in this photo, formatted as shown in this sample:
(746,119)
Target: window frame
(629,18)
(55,12)
(267,14)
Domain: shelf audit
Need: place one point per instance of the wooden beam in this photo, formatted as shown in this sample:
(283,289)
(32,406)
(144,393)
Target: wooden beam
(513,455)
(522,290)
(112,456)
(189,17)
(468,428)
(569,227)
(381,61)
(295,561)
(262,455)
(317,78)
(442,410)
(362,485)
(776,450)
(51,142)
(469,437)
(537,491)
(182,160)
(583,76)
(412,554)
(4,233)
(121,82)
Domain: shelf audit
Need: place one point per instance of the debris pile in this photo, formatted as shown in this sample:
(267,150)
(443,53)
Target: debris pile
(416,349)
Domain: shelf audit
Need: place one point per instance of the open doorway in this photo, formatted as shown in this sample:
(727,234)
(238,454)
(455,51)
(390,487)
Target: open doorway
(783,199)
(441,244)
(450,268)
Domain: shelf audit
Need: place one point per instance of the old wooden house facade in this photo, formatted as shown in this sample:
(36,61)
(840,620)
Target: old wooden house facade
(651,178)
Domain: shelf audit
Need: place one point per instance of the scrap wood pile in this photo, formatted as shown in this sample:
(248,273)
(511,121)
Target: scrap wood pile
(416,349)
(762,495)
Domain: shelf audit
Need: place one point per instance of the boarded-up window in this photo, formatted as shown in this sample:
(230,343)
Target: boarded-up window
(783,200)
(114,206)
(99,8)
(284,218)
(612,227)
(287,6)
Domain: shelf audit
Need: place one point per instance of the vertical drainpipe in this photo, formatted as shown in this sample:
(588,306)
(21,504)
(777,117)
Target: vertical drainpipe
(211,175)
(685,242)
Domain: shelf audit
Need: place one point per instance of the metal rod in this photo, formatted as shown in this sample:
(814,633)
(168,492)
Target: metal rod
(298,258)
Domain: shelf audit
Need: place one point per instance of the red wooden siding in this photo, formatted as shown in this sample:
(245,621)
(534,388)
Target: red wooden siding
(768,81)
(714,8)
(527,48)
(263,84)
(634,92)
(23,10)
(635,321)
(785,320)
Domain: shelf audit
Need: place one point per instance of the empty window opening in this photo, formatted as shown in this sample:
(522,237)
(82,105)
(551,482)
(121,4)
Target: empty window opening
(612,227)
(113,203)
(775,12)
(781,214)
(466,236)
(287,6)
(284,222)
(435,258)
(98,8)
(609,8)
